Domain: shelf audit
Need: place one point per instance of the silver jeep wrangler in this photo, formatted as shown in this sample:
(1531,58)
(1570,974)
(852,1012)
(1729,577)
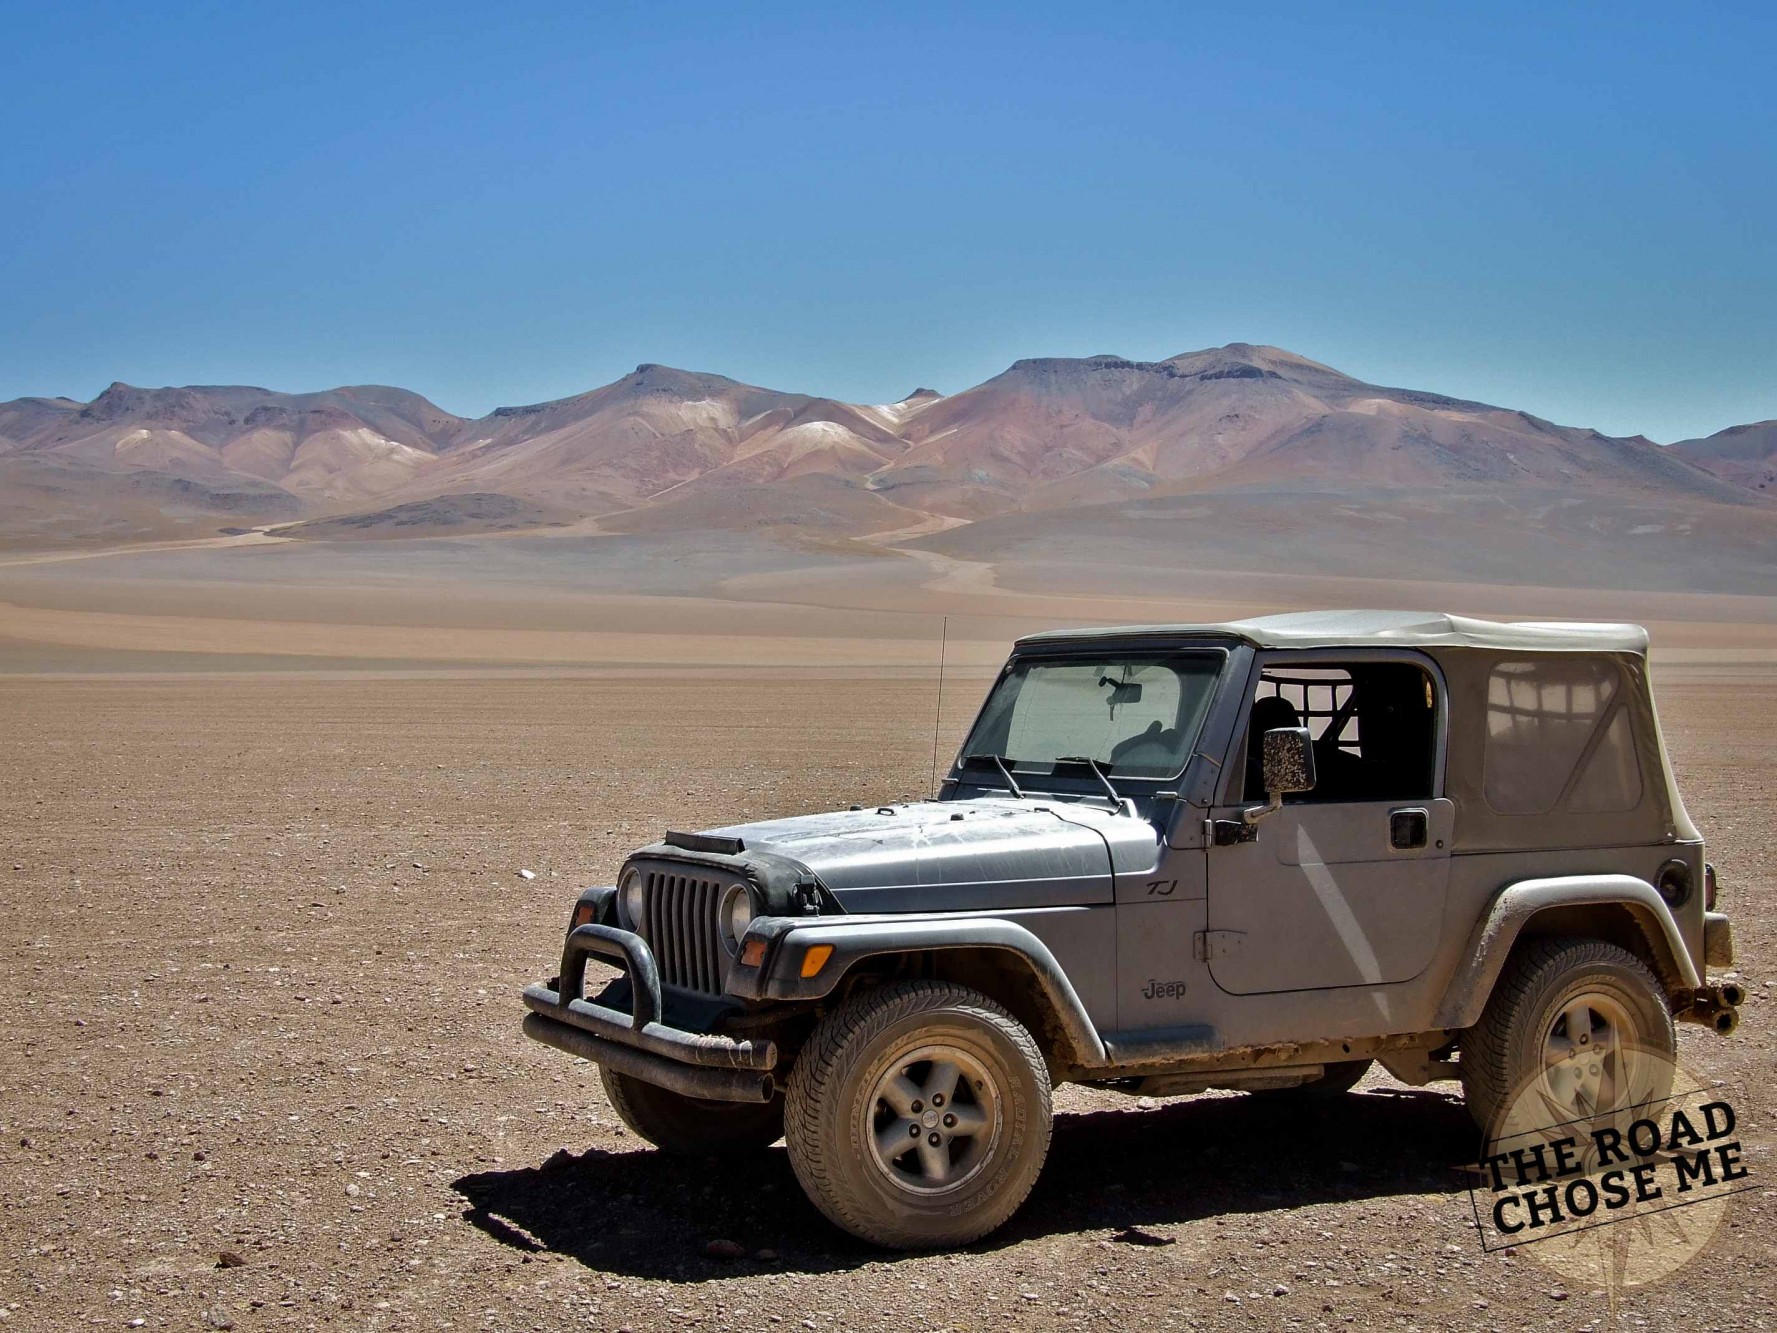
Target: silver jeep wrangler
(1258,855)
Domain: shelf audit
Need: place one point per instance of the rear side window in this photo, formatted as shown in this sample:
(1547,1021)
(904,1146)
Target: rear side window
(1558,738)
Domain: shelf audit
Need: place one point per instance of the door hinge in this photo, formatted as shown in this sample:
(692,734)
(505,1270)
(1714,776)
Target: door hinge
(1208,944)
(1227,832)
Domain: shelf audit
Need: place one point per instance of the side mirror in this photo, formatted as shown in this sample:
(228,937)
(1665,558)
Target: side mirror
(1288,767)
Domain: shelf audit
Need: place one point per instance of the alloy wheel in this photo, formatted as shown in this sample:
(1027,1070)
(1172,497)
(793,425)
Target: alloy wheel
(934,1117)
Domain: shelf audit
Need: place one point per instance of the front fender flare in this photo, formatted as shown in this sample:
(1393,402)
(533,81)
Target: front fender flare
(1492,940)
(854,938)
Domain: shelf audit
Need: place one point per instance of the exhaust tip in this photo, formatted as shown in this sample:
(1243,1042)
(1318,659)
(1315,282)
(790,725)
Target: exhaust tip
(1725,1021)
(1733,994)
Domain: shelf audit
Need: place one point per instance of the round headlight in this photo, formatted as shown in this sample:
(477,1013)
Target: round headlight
(737,913)
(629,900)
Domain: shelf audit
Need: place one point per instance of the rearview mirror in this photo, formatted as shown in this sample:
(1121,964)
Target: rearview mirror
(1288,767)
(1122,691)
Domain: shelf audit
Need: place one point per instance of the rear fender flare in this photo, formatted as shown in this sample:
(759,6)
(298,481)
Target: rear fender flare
(1512,909)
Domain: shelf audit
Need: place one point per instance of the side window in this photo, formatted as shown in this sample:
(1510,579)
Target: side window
(1558,737)
(1374,726)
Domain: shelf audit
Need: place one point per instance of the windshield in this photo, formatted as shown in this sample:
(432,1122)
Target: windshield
(1137,716)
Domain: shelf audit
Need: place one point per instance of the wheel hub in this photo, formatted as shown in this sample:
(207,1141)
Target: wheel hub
(1583,1055)
(933,1117)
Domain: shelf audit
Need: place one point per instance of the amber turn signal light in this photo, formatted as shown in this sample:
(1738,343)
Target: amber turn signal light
(752,953)
(815,959)
(583,913)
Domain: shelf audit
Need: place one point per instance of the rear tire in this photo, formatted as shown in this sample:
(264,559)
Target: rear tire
(693,1126)
(918,1115)
(1564,1011)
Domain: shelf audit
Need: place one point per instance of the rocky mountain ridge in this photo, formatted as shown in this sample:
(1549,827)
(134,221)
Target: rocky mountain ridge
(663,447)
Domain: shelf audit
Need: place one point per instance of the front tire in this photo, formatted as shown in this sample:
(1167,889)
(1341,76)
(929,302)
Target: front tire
(693,1126)
(1570,1017)
(918,1115)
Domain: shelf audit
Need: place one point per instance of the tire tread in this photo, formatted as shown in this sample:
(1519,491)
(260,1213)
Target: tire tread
(822,1065)
(1488,1047)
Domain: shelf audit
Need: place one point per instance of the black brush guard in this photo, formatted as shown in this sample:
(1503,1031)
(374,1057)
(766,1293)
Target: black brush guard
(694,1064)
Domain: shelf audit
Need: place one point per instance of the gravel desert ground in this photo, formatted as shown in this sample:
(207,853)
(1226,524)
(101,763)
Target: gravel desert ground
(264,936)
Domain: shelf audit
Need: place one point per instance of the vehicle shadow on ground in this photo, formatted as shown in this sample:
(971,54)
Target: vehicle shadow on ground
(644,1214)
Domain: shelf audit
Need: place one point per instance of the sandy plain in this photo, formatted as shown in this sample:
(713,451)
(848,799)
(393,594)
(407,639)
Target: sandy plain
(265,933)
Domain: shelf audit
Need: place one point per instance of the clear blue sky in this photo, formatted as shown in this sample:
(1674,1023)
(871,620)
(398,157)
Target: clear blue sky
(1567,209)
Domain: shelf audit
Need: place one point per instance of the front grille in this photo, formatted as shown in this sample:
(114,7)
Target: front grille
(679,921)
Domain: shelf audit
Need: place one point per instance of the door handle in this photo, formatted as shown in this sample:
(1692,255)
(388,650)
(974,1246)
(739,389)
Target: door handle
(1407,829)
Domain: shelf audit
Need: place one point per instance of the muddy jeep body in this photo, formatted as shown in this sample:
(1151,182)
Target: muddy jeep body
(1452,792)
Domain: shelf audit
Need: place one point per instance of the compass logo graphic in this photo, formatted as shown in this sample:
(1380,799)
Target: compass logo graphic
(1619,1186)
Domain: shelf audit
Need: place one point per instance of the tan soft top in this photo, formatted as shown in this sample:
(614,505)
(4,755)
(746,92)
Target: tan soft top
(1405,629)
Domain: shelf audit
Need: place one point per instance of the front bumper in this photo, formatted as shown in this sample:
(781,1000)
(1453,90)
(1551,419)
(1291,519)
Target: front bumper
(695,1064)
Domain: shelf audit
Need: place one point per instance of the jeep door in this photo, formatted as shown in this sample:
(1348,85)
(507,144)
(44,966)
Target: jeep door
(1345,885)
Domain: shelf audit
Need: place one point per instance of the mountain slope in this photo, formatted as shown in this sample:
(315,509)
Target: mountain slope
(659,429)
(339,447)
(1743,455)
(1058,432)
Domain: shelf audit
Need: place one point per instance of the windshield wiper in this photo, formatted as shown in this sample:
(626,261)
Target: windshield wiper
(999,762)
(1097,772)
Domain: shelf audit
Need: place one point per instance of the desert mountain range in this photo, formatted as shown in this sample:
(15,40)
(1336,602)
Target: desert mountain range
(671,449)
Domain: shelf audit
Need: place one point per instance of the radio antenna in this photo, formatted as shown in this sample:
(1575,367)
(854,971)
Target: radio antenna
(938,718)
